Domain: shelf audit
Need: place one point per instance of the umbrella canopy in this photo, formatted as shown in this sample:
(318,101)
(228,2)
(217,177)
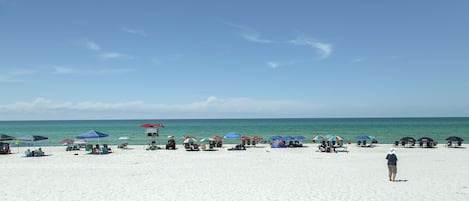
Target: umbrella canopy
(92,134)
(232,135)
(189,136)
(255,138)
(151,125)
(425,139)
(170,137)
(335,138)
(363,137)
(244,137)
(319,138)
(286,138)
(455,138)
(66,140)
(276,137)
(189,140)
(31,138)
(123,138)
(408,139)
(216,137)
(207,139)
(4,137)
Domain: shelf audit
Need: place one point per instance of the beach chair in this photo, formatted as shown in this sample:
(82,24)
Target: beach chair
(396,143)
(359,142)
(450,143)
(219,143)
(238,147)
(171,144)
(459,143)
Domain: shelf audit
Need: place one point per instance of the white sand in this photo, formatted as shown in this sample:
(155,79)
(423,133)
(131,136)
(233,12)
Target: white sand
(256,174)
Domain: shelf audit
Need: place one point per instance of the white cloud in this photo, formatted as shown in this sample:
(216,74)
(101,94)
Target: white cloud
(255,38)
(42,108)
(134,31)
(112,55)
(92,45)
(273,64)
(63,70)
(324,49)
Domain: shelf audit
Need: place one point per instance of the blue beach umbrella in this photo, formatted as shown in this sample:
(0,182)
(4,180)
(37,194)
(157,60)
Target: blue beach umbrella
(276,137)
(363,137)
(232,135)
(287,138)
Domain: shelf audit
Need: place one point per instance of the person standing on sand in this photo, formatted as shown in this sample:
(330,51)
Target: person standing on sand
(392,164)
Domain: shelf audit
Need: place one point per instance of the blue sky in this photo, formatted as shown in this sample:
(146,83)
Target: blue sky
(233,59)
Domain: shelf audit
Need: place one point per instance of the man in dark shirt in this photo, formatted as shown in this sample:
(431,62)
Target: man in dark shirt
(392,164)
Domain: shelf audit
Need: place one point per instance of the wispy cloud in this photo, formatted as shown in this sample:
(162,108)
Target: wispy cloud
(15,76)
(111,55)
(134,31)
(357,60)
(325,49)
(92,45)
(105,55)
(210,107)
(273,64)
(62,70)
(249,34)
(254,37)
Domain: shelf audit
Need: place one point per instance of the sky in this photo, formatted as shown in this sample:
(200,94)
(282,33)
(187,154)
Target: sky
(233,59)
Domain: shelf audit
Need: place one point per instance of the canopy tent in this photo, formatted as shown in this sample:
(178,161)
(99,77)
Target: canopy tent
(319,138)
(92,134)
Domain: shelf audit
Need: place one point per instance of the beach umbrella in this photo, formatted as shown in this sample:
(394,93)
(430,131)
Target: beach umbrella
(189,140)
(92,134)
(335,138)
(232,135)
(189,136)
(207,139)
(170,137)
(4,137)
(244,137)
(287,138)
(151,125)
(425,139)
(455,138)
(276,137)
(363,137)
(408,139)
(66,141)
(319,138)
(255,138)
(31,138)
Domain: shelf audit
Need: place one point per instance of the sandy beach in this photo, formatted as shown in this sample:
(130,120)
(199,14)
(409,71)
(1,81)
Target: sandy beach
(260,173)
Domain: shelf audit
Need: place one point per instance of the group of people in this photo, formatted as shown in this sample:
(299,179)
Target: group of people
(34,153)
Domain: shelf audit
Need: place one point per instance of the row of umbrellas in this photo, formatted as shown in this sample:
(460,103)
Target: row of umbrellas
(425,139)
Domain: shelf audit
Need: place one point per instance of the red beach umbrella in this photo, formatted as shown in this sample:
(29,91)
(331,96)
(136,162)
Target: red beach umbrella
(216,137)
(66,140)
(244,137)
(256,138)
(151,125)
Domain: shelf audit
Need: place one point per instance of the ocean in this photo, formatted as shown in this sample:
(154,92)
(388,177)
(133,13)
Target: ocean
(386,130)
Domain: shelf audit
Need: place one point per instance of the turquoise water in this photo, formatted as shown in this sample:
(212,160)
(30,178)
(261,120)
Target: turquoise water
(386,130)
